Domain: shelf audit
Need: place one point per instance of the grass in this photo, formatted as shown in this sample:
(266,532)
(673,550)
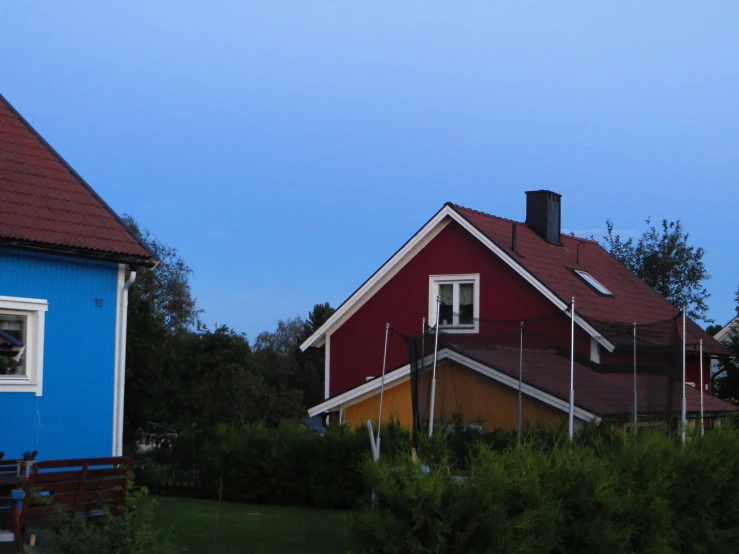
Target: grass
(253,529)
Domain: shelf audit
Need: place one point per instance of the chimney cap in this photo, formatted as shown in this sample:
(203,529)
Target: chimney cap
(544,191)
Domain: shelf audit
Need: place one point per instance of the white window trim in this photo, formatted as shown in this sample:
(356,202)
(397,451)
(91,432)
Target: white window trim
(593,282)
(435,281)
(35,309)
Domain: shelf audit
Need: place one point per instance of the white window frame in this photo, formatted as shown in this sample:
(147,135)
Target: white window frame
(35,311)
(593,282)
(456,280)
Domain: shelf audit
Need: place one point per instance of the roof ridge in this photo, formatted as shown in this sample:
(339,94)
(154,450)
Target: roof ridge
(500,218)
(479,212)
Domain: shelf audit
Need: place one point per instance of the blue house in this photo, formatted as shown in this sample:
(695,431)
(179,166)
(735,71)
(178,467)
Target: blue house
(66,264)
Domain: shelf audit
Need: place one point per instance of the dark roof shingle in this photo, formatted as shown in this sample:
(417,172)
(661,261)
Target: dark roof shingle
(603,394)
(45,203)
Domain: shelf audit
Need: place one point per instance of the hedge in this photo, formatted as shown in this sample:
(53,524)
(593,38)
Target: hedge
(604,494)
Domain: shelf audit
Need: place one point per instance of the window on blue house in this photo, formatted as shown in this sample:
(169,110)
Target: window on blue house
(22,325)
(13,332)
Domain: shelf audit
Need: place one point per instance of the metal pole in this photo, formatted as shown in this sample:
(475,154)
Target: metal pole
(433,379)
(420,391)
(684,415)
(382,389)
(703,429)
(636,412)
(520,387)
(572,370)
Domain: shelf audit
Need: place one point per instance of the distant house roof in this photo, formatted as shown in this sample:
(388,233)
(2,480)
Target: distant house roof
(726,330)
(45,205)
(551,269)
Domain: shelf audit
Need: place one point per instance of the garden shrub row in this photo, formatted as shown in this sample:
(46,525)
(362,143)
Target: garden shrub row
(603,493)
(293,465)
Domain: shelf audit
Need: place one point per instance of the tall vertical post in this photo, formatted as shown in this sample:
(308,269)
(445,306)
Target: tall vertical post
(572,370)
(703,427)
(520,388)
(382,389)
(433,378)
(684,414)
(636,405)
(420,391)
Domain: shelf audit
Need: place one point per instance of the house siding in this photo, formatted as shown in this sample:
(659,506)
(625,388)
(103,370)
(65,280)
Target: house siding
(356,347)
(73,417)
(493,404)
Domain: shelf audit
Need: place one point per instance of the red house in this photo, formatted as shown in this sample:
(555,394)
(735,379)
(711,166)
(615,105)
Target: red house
(506,290)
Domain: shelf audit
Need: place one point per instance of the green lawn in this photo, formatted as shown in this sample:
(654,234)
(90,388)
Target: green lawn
(253,529)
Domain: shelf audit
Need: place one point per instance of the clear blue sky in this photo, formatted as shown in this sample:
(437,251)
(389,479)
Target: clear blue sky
(288,148)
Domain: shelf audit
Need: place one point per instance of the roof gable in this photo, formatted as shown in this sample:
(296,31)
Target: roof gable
(45,204)
(448,213)
(548,268)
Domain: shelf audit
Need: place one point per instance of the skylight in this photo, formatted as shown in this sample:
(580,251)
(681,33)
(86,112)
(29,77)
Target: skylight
(593,282)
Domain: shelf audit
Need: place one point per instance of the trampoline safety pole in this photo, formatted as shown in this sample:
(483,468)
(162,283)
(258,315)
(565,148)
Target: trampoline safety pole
(433,379)
(572,370)
(684,414)
(636,405)
(520,386)
(700,353)
(382,390)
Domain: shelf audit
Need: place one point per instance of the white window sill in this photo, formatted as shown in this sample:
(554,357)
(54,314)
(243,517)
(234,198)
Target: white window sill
(459,329)
(19,383)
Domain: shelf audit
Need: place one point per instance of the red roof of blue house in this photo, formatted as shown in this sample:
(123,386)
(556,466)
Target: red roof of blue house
(45,205)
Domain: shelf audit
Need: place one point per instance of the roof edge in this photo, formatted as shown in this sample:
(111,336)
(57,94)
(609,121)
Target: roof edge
(81,253)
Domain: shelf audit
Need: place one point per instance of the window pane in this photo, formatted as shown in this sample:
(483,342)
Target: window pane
(466,303)
(446,311)
(12,344)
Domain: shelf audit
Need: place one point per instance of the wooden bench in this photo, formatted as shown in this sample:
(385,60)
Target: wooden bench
(70,488)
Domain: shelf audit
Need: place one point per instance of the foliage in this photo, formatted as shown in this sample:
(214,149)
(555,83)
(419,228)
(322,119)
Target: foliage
(283,364)
(291,464)
(664,260)
(134,531)
(644,494)
(187,379)
(160,310)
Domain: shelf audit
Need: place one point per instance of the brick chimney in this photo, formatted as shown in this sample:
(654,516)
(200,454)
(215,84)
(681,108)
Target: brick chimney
(544,214)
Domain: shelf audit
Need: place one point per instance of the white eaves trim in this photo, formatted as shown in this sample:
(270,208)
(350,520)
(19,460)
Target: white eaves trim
(402,374)
(435,225)
(726,330)
(422,237)
(361,390)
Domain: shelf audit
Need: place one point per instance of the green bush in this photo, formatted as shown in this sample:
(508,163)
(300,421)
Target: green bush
(134,531)
(600,493)
(293,465)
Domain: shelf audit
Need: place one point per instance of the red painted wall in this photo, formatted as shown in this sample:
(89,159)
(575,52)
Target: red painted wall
(357,346)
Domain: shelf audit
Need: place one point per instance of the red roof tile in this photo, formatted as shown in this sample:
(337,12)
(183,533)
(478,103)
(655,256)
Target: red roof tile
(603,394)
(45,203)
(633,301)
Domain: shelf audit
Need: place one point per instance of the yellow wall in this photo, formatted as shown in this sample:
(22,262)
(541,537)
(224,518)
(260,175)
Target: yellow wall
(396,403)
(458,390)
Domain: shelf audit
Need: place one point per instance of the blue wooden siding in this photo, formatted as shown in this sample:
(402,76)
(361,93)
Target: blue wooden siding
(74,416)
